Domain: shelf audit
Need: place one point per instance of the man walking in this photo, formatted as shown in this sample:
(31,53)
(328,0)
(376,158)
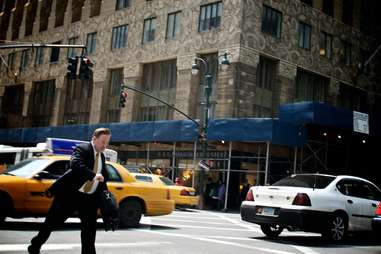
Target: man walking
(77,191)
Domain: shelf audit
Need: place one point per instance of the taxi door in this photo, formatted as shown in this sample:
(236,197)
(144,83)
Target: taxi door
(36,201)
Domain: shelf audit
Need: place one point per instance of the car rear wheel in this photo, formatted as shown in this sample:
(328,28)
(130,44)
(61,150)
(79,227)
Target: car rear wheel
(271,230)
(5,207)
(130,213)
(337,228)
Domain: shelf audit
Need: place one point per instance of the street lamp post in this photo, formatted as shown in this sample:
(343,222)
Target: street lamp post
(204,131)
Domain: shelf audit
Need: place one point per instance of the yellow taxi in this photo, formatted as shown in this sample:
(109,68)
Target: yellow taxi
(182,195)
(23,186)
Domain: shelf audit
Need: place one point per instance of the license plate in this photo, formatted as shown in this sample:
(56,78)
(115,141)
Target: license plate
(266,211)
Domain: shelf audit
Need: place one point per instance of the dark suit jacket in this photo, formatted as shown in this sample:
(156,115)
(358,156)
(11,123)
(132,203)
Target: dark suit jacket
(81,170)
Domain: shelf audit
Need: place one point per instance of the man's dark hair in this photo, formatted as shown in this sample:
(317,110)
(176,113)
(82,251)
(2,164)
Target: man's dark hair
(101,131)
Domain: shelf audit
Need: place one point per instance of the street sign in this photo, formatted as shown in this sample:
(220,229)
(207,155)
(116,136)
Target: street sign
(360,122)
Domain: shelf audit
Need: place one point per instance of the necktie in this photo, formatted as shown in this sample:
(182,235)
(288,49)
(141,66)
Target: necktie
(90,184)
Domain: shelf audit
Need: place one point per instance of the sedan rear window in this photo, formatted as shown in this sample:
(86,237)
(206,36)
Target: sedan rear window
(306,181)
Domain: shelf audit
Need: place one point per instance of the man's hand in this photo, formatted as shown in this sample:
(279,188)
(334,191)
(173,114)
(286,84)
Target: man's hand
(99,177)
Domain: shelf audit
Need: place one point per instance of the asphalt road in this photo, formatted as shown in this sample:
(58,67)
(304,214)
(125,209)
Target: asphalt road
(190,231)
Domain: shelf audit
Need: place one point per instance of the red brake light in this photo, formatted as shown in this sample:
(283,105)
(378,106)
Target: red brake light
(302,199)
(249,196)
(378,210)
(168,194)
(184,192)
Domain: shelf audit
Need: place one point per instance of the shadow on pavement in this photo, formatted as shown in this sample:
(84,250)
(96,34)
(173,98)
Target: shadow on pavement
(361,239)
(35,226)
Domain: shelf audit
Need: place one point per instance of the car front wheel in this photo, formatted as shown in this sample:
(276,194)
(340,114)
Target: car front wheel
(271,230)
(130,213)
(337,228)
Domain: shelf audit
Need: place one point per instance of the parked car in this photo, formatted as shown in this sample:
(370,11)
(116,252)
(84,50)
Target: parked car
(376,221)
(326,204)
(23,186)
(182,195)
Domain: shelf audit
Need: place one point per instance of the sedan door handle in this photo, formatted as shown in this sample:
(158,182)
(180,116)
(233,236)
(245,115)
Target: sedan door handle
(118,188)
(350,201)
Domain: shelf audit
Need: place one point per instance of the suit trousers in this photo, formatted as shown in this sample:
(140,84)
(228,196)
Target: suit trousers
(65,206)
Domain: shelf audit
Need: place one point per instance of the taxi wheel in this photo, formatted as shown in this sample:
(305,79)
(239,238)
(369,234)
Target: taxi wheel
(130,213)
(271,230)
(5,207)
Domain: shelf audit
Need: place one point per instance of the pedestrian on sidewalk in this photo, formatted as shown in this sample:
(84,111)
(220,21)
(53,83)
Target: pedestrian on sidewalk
(78,190)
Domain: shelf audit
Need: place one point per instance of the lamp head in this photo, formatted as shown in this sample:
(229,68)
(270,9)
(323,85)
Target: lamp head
(195,69)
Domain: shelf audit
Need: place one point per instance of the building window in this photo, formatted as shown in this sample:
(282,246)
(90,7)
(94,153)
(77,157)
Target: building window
(111,100)
(91,42)
(95,8)
(347,54)
(12,106)
(325,44)
(352,98)
(121,4)
(60,12)
(173,25)
(44,15)
(328,7)
(304,35)
(119,37)
(13,99)
(76,10)
(11,60)
(41,103)
(77,102)
(311,87)
(39,57)
(271,21)
(348,12)
(307,2)
(266,80)
(30,17)
(55,53)
(210,16)
(149,29)
(71,52)
(159,79)
(24,60)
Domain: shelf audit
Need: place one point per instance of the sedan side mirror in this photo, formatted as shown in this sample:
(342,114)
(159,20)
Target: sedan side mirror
(43,175)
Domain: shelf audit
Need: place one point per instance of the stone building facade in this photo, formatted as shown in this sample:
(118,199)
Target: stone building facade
(263,39)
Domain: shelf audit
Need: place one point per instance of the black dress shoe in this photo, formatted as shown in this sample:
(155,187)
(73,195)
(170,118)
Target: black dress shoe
(33,250)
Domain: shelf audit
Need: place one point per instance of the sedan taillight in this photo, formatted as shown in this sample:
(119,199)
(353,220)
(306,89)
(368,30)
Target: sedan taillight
(184,192)
(302,199)
(168,194)
(378,210)
(250,196)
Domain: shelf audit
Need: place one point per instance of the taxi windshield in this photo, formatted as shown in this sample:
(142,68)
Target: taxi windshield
(166,180)
(28,167)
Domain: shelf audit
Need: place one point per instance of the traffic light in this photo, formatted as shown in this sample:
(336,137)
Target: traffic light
(85,71)
(122,99)
(72,68)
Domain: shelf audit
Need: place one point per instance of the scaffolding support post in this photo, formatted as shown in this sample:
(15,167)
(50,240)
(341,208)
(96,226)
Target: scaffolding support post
(267,161)
(194,162)
(228,178)
(173,161)
(295,158)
